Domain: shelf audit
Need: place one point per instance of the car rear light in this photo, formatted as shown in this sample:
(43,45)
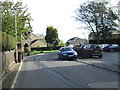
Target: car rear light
(91,49)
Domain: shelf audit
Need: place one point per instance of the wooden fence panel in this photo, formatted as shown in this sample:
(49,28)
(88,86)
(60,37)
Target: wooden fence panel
(7,61)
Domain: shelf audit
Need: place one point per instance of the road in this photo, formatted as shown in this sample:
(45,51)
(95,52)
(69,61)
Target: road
(110,60)
(47,71)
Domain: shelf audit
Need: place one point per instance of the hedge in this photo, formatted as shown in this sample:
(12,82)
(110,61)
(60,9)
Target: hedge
(8,42)
(44,48)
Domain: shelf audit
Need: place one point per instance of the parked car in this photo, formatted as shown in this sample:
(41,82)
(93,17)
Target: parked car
(103,45)
(90,50)
(112,47)
(67,53)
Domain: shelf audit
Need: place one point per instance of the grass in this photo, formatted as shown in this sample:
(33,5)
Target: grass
(39,52)
(50,51)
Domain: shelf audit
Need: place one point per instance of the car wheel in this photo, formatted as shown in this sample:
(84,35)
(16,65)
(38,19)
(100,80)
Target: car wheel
(100,56)
(58,57)
(111,50)
(61,58)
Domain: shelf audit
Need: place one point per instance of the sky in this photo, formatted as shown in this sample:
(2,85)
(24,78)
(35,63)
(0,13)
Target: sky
(59,14)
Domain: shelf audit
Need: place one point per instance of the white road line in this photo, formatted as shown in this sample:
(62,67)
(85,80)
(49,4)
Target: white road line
(14,81)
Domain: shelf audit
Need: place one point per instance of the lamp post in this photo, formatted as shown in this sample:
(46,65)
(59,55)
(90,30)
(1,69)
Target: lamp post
(16,32)
(119,15)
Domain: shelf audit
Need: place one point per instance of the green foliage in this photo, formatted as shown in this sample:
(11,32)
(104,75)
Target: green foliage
(98,18)
(27,50)
(62,44)
(51,35)
(8,42)
(56,43)
(23,19)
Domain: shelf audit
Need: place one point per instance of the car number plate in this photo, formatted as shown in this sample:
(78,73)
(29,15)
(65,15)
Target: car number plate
(70,55)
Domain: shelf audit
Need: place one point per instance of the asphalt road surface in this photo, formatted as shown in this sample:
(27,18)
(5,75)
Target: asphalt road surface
(47,71)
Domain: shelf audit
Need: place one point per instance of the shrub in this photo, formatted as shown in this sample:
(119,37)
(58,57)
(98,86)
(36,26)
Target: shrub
(27,50)
(8,42)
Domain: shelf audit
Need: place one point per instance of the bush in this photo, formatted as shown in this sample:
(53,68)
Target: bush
(27,50)
(44,48)
(8,42)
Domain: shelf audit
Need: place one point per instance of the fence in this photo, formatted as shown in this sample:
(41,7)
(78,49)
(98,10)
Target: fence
(8,59)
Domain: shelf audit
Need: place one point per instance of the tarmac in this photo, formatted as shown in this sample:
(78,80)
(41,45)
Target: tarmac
(109,63)
(105,64)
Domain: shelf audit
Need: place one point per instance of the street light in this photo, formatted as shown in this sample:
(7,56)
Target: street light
(16,31)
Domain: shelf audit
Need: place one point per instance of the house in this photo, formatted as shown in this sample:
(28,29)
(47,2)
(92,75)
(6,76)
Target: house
(74,41)
(37,41)
(114,39)
(32,40)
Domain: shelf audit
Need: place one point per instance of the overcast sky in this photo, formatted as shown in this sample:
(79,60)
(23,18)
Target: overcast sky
(57,13)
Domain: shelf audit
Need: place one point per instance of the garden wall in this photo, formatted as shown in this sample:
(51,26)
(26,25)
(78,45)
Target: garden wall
(8,59)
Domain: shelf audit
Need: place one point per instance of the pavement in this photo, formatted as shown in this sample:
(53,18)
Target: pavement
(109,61)
(8,79)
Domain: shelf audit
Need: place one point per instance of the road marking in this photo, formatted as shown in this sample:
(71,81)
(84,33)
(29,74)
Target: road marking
(14,81)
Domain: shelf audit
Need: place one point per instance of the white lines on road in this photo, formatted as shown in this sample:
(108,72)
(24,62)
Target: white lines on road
(14,82)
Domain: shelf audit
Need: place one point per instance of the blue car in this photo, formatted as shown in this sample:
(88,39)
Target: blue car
(67,53)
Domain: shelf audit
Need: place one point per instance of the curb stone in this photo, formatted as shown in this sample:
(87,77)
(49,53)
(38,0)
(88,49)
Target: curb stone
(98,66)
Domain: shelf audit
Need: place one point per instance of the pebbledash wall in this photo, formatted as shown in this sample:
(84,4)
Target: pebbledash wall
(8,59)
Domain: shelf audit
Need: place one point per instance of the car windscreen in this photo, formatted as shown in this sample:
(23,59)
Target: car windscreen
(66,49)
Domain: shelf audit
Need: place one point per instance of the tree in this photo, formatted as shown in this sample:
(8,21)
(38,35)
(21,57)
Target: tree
(56,42)
(51,35)
(62,44)
(22,17)
(99,19)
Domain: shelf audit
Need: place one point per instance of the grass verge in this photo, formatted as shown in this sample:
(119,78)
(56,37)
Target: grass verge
(39,52)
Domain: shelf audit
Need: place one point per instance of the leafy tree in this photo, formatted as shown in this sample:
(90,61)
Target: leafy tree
(98,18)
(51,35)
(67,43)
(22,17)
(62,44)
(56,42)
(6,42)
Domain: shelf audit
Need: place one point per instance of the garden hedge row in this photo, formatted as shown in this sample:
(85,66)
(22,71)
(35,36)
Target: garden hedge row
(7,42)
(44,48)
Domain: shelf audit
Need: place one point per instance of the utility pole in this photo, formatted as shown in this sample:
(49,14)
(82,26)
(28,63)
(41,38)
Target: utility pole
(16,32)
(119,15)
